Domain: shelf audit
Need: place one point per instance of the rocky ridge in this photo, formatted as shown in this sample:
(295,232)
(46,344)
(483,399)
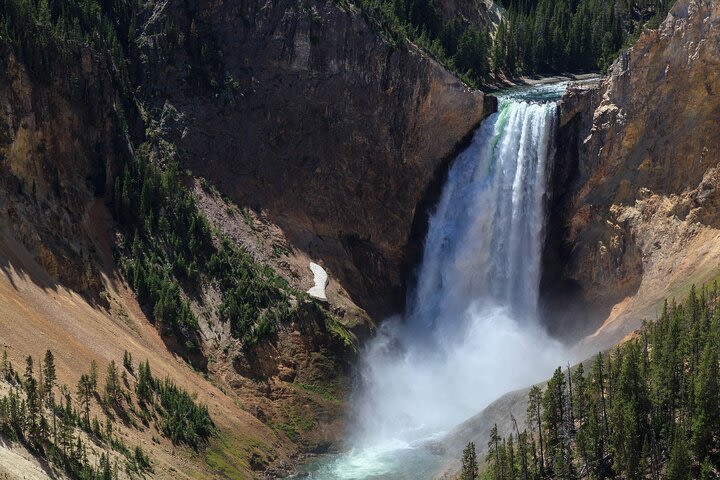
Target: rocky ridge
(474,12)
(56,153)
(633,217)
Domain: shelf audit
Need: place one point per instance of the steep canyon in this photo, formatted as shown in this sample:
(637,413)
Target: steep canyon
(386,111)
(302,131)
(305,112)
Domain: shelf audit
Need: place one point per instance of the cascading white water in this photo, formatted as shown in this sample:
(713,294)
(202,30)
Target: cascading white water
(470,332)
(484,240)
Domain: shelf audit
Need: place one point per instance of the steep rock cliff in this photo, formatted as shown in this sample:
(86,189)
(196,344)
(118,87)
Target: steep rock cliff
(58,142)
(635,212)
(302,111)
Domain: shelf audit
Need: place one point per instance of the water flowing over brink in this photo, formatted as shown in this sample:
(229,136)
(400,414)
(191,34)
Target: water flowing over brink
(471,329)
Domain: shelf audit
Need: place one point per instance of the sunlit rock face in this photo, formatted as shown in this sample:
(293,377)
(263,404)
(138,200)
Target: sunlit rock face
(636,162)
(305,111)
(472,12)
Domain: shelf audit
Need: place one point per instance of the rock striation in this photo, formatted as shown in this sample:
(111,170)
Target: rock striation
(473,12)
(59,140)
(636,176)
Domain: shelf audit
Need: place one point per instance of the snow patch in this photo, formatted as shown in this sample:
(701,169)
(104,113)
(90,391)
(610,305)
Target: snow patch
(321,281)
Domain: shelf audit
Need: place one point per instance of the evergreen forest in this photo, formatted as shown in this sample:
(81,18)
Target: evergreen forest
(60,423)
(650,408)
(534,37)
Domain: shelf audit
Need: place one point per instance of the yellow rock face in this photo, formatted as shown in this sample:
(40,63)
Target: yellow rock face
(647,152)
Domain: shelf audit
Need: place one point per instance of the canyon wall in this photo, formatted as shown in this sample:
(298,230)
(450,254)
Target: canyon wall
(635,210)
(304,112)
(59,140)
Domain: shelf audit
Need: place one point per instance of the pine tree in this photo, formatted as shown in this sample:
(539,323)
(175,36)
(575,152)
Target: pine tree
(579,394)
(50,377)
(469,463)
(590,440)
(571,414)
(598,379)
(534,419)
(108,429)
(535,461)
(554,413)
(28,369)
(65,434)
(93,376)
(95,428)
(707,472)
(472,53)
(43,430)
(510,468)
(105,468)
(523,454)
(128,362)
(495,455)
(112,384)
(32,401)
(16,413)
(629,413)
(679,463)
(706,400)
(84,394)
(144,387)
(499,52)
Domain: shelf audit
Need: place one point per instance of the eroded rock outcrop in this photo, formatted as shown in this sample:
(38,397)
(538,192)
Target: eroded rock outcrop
(473,12)
(300,110)
(58,144)
(635,214)
(303,111)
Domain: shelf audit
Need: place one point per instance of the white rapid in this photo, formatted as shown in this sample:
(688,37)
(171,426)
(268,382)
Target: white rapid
(471,329)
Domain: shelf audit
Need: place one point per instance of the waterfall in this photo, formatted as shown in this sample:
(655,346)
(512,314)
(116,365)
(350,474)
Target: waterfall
(471,330)
(485,239)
